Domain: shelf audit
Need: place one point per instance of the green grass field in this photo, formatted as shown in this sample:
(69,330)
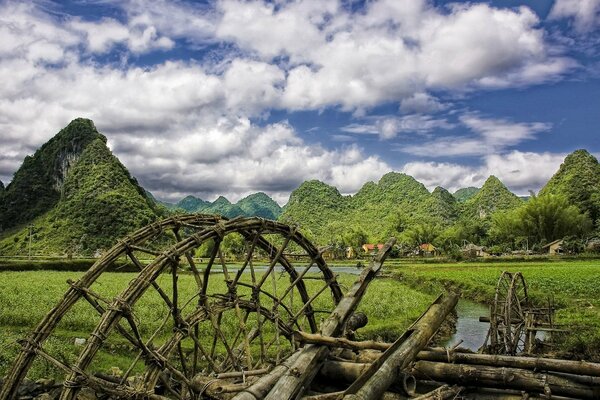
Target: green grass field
(25,297)
(574,285)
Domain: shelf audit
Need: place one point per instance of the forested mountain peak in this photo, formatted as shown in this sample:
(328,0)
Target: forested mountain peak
(578,179)
(443,194)
(493,196)
(36,186)
(393,187)
(464,194)
(191,204)
(100,203)
(221,201)
(260,205)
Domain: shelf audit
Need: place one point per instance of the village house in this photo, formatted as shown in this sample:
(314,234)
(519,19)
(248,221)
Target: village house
(370,248)
(427,249)
(472,250)
(554,248)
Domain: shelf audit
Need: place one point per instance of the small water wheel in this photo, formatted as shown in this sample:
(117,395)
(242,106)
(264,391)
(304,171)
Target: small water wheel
(508,316)
(189,315)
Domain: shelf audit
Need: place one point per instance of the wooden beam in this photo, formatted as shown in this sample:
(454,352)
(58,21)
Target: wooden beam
(382,373)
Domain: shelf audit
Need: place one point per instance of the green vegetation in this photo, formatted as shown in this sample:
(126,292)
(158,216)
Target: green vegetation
(259,205)
(100,202)
(573,285)
(398,206)
(542,219)
(37,185)
(390,306)
(464,194)
(492,197)
(191,204)
(256,205)
(578,179)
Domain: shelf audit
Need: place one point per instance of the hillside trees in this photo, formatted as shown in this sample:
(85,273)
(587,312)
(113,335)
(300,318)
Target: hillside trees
(541,220)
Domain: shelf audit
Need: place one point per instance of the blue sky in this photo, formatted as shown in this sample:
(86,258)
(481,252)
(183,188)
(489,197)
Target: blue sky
(232,97)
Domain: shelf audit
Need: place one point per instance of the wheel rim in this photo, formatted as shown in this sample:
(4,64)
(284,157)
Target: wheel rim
(251,312)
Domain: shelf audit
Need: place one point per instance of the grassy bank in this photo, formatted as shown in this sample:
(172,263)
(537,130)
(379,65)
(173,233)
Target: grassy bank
(25,297)
(573,284)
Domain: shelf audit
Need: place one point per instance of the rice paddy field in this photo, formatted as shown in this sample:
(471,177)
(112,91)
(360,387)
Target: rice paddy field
(573,286)
(391,304)
(26,297)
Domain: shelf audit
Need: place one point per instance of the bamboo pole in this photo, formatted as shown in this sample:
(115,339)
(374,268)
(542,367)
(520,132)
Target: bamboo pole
(315,338)
(452,356)
(384,371)
(292,383)
(529,363)
(442,393)
(510,378)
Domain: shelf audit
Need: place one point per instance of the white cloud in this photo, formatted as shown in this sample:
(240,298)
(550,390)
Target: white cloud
(421,103)
(585,13)
(236,157)
(491,135)
(388,127)
(185,126)
(391,51)
(519,171)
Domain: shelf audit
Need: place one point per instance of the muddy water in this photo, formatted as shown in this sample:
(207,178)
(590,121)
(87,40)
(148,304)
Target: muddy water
(468,328)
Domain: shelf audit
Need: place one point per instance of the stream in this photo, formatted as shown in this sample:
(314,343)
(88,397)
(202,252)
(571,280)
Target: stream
(468,328)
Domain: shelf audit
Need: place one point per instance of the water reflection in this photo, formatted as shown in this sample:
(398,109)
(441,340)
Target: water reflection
(468,328)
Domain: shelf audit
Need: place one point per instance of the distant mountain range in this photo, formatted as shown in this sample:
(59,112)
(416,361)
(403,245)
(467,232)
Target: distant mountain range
(79,198)
(256,205)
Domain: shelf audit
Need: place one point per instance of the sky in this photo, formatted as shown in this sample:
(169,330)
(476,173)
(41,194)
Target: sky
(233,97)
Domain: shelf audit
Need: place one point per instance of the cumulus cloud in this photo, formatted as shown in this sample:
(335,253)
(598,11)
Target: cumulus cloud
(519,171)
(490,135)
(236,158)
(190,126)
(392,50)
(585,14)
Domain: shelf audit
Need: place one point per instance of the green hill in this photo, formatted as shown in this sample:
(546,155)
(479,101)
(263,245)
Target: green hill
(260,205)
(37,185)
(98,201)
(312,205)
(578,179)
(464,194)
(493,196)
(442,206)
(376,211)
(255,205)
(191,204)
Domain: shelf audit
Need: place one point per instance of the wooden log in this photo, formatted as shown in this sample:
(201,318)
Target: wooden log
(338,395)
(259,389)
(461,357)
(529,363)
(315,338)
(382,373)
(442,393)
(295,381)
(511,378)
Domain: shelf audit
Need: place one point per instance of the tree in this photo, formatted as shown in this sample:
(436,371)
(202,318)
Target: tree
(421,233)
(541,220)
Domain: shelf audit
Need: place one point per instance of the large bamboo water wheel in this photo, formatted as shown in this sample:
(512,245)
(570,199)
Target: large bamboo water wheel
(507,332)
(208,318)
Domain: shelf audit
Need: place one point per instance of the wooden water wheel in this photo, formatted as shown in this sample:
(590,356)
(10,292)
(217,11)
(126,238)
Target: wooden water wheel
(205,317)
(508,315)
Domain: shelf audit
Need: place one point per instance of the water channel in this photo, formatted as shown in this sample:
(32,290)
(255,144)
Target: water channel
(468,328)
